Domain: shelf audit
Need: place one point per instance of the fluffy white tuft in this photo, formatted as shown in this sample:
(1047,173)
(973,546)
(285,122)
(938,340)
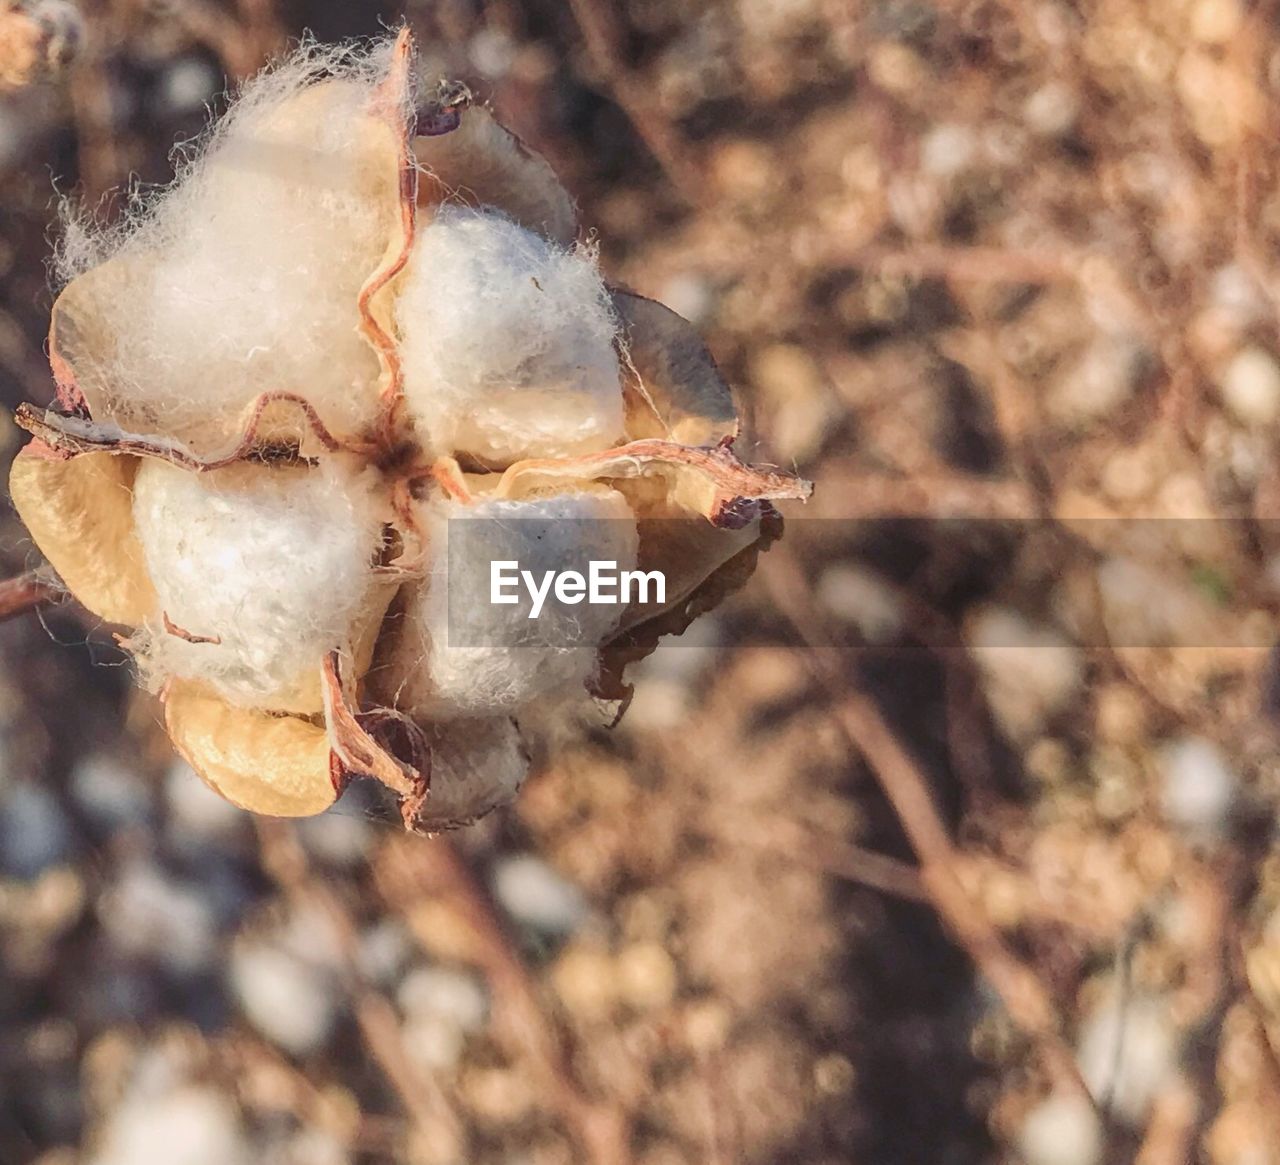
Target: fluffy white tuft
(507,342)
(476,765)
(475,658)
(273,562)
(243,276)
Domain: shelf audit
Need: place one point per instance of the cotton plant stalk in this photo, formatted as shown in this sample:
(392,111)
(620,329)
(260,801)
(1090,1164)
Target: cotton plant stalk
(360,315)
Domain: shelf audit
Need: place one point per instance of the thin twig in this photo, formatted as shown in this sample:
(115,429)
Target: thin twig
(907,790)
(28,591)
(409,868)
(423,1099)
(603,38)
(819,851)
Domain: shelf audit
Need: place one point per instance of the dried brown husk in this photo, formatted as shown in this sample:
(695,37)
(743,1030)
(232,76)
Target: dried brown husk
(480,163)
(276,765)
(672,387)
(79,511)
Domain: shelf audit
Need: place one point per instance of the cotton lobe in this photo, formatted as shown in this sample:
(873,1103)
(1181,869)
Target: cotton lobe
(265,568)
(242,278)
(508,342)
(456,656)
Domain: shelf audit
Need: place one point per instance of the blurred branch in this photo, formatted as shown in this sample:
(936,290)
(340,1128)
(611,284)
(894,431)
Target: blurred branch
(410,869)
(603,37)
(819,851)
(28,591)
(423,1099)
(907,790)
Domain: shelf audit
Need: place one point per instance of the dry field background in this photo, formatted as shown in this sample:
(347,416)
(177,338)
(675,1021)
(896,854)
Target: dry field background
(948,840)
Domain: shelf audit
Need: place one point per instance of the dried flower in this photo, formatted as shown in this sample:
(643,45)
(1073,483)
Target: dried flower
(355,317)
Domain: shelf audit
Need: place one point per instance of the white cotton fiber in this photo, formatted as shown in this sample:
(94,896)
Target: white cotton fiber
(471,657)
(507,342)
(274,562)
(476,765)
(244,276)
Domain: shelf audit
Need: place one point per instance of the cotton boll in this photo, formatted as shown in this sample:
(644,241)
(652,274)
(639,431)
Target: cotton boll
(291,1002)
(507,342)
(244,276)
(272,563)
(472,657)
(187,1126)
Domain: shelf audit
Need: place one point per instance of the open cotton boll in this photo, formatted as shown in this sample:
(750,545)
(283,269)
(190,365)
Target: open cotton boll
(274,565)
(476,765)
(472,657)
(507,342)
(244,276)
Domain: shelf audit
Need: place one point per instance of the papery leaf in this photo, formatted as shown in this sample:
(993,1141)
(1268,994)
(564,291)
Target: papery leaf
(638,639)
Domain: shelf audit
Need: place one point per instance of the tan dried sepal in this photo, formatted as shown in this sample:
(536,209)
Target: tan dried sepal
(482,164)
(278,766)
(672,388)
(707,481)
(355,748)
(275,420)
(79,511)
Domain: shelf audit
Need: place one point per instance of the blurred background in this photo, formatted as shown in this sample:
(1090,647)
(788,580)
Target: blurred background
(949,839)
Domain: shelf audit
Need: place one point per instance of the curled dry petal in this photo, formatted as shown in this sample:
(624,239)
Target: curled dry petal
(275,765)
(393,109)
(355,749)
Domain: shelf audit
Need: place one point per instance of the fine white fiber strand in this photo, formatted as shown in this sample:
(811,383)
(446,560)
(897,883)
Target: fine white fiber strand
(476,765)
(243,276)
(274,563)
(507,342)
(473,657)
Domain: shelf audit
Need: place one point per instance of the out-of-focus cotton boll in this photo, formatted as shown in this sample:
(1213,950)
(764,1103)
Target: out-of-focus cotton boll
(507,342)
(272,564)
(244,277)
(474,657)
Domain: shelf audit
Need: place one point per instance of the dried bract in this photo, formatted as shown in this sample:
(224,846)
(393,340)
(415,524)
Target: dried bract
(357,327)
